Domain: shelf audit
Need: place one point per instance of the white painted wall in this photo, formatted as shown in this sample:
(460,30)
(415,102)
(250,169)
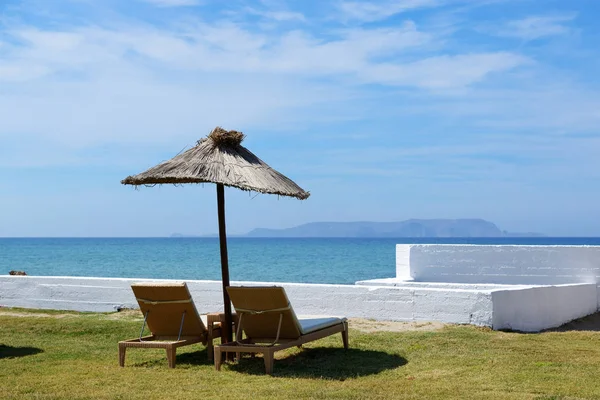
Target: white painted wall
(471,284)
(565,279)
(505,264)
(522,308)
(382,303)
(539,308)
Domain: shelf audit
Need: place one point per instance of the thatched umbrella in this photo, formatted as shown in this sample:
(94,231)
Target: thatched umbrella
(219,158)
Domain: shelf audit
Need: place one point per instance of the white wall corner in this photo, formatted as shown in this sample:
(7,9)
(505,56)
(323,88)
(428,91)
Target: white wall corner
(403,261)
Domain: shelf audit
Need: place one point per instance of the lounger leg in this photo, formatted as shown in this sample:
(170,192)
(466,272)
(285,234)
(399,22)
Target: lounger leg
(210,352)
(238,356)
(345,335)
(171,355)
(218,359)
(122,349)
(268,356)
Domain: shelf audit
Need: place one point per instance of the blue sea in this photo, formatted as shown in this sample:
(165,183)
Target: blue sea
(307,260)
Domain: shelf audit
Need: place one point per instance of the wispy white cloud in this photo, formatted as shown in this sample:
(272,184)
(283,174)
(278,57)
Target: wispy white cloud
(536,27)
(367,11)
(369,55)
(372,11)
(172,3)
(137,83)
(532,160)
(442,72)
(553,108)
(465,123)
(134,82)
(276,15)
(15,72)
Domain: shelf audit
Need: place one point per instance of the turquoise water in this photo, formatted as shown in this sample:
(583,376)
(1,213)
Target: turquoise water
(309,260)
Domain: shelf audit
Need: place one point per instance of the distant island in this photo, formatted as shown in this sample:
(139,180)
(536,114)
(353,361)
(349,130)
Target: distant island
(414,228)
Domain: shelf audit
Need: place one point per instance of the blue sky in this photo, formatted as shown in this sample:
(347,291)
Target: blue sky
(382,110)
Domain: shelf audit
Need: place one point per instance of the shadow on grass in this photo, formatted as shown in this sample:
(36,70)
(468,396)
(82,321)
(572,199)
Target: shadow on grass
(14,352)
(589,323)
(324,363)
(197,358)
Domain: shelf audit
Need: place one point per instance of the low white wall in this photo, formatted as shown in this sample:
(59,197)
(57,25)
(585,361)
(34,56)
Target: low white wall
(538,308)
(376,302)
(569,275)
(521,308)
(505,264)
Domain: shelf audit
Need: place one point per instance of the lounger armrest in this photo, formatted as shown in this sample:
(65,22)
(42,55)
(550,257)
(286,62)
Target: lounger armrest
(216,320)
(213,318)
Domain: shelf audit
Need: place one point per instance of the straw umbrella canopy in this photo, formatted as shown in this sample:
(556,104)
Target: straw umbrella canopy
(220,158)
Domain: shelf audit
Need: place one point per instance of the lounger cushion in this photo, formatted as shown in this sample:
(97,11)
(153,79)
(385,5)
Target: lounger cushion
(308,325)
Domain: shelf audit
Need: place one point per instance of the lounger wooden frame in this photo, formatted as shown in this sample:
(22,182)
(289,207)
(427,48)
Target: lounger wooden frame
(257,346)
(268,346)
(171,302)
(171,343)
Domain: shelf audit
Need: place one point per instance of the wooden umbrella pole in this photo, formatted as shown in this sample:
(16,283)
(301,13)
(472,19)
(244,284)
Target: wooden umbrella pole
(224,261)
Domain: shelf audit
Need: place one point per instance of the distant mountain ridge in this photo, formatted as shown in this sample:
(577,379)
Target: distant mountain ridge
(430,228)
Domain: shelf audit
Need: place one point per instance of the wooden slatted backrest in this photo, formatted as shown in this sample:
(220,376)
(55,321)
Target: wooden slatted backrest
(261,307)
(166,302)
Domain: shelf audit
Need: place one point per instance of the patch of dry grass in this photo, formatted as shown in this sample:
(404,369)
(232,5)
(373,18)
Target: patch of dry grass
(74,356)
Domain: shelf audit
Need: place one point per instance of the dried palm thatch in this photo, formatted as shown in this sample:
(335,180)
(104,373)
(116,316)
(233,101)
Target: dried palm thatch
(220,158)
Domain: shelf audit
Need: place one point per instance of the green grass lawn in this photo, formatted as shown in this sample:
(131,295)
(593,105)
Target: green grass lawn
(60,355)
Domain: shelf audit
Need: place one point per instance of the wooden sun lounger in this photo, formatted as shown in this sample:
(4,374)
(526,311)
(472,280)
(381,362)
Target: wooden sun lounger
(266,317)
(172,319)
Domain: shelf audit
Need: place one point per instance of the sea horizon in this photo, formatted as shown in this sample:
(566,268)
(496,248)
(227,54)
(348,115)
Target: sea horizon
(301,260)
(240,236)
